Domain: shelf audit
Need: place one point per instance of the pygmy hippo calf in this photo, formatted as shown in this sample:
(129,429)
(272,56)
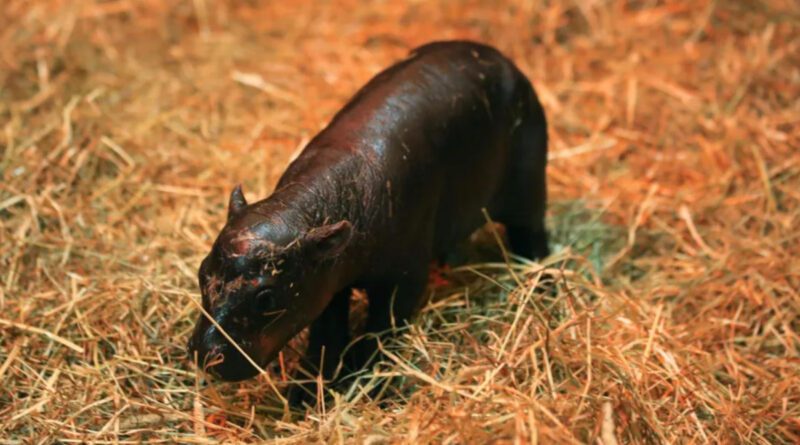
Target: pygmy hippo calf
(396,180)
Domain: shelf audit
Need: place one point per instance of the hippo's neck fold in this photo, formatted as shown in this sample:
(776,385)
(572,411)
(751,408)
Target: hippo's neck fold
(326,185)
(323,186)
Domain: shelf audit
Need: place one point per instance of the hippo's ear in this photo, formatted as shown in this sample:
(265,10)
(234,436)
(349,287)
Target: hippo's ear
(237,202)
(329,240)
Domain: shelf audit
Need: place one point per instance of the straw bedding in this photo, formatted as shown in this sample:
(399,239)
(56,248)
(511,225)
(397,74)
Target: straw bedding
(674,182)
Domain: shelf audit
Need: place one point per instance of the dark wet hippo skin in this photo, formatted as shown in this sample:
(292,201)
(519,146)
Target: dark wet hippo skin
(396,180)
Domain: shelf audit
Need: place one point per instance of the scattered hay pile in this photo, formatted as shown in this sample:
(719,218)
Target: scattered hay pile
(675,180)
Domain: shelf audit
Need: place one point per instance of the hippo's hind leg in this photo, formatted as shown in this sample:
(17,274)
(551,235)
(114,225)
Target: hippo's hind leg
(523,198)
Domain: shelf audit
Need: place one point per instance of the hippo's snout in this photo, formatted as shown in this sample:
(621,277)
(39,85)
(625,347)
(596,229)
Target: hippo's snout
(217,356)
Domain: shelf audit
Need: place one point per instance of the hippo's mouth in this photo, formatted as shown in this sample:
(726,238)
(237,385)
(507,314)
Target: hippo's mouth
(216,354)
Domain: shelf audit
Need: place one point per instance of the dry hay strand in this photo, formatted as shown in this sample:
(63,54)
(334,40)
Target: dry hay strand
(674,177)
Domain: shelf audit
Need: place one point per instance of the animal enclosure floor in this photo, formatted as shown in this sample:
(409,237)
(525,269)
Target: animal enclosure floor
(674,180)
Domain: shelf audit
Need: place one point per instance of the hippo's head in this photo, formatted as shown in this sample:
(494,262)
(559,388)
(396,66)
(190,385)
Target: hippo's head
(262,283)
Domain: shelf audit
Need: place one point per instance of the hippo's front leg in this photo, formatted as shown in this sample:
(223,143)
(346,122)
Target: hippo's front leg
(392,303)
(328,336)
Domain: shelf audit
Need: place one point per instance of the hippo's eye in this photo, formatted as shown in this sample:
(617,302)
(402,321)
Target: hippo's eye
(266,303)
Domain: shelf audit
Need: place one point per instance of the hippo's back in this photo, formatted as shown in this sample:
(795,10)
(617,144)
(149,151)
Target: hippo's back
(433,133)
(443,91)
(445,118)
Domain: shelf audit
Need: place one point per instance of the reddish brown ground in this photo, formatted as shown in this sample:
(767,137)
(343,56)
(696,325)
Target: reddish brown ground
(675,181)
